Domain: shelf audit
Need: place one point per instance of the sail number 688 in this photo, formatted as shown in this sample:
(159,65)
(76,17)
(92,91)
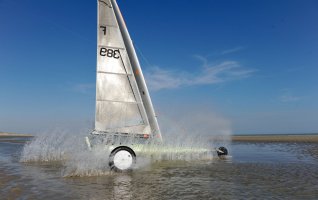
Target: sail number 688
(109,53)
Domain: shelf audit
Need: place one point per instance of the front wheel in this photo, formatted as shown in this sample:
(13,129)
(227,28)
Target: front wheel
(122,159)
(222,152)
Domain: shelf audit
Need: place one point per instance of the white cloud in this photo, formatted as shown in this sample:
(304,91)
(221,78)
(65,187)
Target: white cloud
(84,87)
(233,50)
(208,74)
(287,96)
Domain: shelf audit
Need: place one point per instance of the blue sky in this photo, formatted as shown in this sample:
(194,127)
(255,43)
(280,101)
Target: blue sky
(250,64)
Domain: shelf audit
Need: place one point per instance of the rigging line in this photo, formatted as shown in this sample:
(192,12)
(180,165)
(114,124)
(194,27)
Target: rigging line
(121,58)
(157,132)
(109,6)
(143,56)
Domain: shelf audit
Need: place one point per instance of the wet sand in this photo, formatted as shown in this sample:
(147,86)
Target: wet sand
(276,138)
(271,170)
(256,171)
(14,138)
(6,182)
(3,134)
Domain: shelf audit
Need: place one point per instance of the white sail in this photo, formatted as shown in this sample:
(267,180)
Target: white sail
(120,106)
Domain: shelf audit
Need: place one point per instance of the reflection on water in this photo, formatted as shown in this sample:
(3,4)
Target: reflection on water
(275,152)
(269,170)
(122,187)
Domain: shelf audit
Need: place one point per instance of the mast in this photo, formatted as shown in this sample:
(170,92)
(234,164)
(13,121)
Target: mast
(137,73)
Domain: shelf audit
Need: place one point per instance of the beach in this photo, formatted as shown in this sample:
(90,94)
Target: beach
(270,170)
(4,134)
(311,138)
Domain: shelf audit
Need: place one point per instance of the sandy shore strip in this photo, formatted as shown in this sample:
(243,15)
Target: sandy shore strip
(2,134)
(235,138)
(275,138)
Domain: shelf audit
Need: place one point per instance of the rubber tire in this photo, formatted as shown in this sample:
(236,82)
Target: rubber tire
(113,153)
(225,152)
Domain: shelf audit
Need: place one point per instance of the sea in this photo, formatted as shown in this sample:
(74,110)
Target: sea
(254,170)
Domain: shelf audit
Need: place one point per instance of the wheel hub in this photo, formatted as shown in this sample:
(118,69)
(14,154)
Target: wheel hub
(123,160)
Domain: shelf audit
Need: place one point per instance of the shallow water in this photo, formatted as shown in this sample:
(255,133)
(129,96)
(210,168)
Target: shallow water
(256,171)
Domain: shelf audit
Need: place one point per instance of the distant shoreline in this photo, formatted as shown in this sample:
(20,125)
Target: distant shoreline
(313,138)
(14,135)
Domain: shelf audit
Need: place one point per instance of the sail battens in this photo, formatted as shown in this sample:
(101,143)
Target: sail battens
(112,47)
(120,74)
(110,26)
(125,127)
(106,3)
(125,102)
(136,130)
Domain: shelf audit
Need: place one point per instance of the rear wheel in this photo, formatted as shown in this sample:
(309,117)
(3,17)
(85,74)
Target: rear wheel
(122,159)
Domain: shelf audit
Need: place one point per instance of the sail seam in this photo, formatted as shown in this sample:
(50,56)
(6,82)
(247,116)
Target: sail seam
(122,48)
(121,74)
(117,132)
(126,102)
(109,6)
(113,26)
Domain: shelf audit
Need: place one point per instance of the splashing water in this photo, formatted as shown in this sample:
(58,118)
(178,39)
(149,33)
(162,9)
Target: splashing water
(181,142)
(70,150)
(48,147)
